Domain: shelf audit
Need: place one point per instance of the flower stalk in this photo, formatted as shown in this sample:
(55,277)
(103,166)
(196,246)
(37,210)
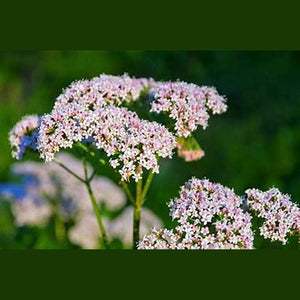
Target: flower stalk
(137,213)
(87,182)
(147,185)
(95,206)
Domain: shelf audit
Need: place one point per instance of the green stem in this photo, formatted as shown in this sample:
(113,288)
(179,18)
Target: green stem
(98,215)
(68,170)
(60,231)
(127,191)
(92,153)
(87,182)
(95,207)
(147,185)
(137,213)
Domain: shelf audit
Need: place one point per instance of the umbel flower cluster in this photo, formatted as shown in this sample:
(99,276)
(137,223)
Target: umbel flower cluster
(48,191)
(279,215)
(187,104)
(211,216)
(131,143)
(88,112)
(24,136)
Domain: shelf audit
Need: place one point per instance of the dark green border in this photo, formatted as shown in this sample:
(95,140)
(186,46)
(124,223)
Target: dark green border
(154,25)
(233,274)
(157,26)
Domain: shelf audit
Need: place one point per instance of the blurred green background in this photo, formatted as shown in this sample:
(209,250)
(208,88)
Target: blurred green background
(255,144)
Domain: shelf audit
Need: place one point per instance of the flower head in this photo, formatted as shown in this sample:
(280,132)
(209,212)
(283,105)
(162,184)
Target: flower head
(187,103)
(24,135)
(31,212)
(279,214)
(189,149)
(131,143)
(162,239)
(100,91)
(209,217)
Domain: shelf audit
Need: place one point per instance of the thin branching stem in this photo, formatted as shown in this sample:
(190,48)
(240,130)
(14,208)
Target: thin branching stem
(147,185)
(128,192)
(95,206)
(137,213)
(92,176)
(68,170)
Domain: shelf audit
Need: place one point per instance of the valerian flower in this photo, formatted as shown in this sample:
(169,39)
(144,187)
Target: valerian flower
(162,239)
(187,104)
(73,117)
(99,92)
(130,142)
(209,217)
(189,149)
(24,136)
(280,216)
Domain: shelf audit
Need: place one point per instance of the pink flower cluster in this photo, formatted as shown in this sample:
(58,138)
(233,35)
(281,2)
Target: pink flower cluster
(187,103)
(132,143)
(280,215)
(209,217)
(190,155)
(189,149)
(64,125)
(162,239)
(24,135)
(100,91)
(87,111)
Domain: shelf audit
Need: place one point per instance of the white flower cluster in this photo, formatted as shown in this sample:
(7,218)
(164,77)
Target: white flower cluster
(161,239)
(88,112)
(209,217)
(187,103)
(47,186)
(47,190)
(86,233)
(31,211)
(101,91)
(279,214)
(24,135)
(132,143)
